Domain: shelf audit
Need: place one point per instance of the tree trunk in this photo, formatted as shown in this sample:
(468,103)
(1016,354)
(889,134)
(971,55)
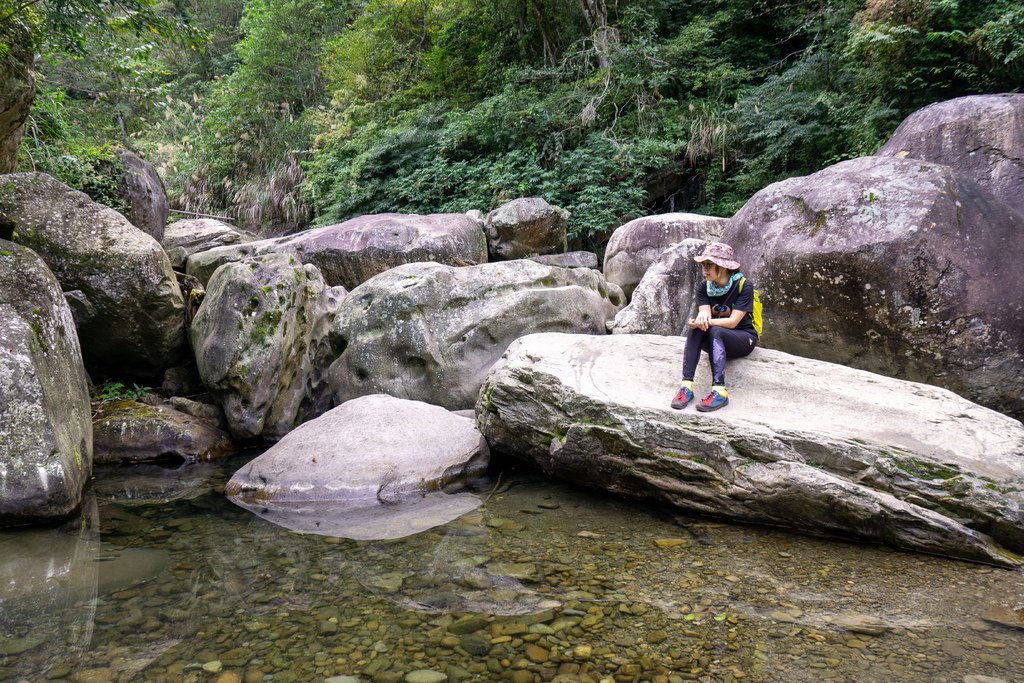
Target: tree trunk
(17,73)
(605,37)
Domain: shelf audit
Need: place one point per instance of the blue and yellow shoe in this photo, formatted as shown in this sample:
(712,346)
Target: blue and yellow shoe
(683,397)
(718,398)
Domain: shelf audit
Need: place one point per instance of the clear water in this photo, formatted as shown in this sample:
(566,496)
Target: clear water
(162,579)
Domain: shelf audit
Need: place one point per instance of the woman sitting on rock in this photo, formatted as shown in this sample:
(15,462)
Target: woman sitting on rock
(723,327)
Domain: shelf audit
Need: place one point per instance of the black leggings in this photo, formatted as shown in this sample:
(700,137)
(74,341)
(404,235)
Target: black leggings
(720,343)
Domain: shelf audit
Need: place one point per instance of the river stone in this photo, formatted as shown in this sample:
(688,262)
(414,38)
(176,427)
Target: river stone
(804,444)
(193,235)
(635,246)
(130,431)
(425,676)
(666,296)
(261,340)
(45,433)
(1006,615)
(373,448)
(430,332)
(526,227)
(17,73)
(352,252)
(143,193)
(135,323)
(900,267)
(980,137)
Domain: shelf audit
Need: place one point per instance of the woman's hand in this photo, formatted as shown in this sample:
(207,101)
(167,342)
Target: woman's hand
(703,319)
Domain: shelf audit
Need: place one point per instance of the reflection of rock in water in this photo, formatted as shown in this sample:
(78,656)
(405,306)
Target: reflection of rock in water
(363,520)
(51,580)
(148,484)
(48,584)
(450,570)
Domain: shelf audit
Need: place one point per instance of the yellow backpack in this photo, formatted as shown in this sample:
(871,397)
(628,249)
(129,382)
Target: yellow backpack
(755,315)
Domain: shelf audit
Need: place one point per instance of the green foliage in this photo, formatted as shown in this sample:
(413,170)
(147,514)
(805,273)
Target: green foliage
(296,111)
(51,145)
(116,391)
(249,128)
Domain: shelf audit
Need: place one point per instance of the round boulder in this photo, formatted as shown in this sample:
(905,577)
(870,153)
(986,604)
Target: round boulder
(980,137)
(526,227)
(262,347)
(374,448)
(143,193)
(352,252)
(131,320)
(430,332)
(45,432)
(636,245)
(192,235)
(900,267)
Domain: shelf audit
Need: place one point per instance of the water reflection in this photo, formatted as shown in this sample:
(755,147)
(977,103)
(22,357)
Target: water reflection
(50,574)
(364,520)
(539,581)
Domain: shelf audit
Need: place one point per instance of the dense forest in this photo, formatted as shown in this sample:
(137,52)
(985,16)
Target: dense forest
(289,113)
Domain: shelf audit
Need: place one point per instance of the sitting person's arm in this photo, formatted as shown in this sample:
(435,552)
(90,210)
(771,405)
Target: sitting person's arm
(732,321)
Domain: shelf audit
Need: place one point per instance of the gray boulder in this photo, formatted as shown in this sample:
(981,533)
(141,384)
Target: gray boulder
(635,246)
(132,320)
(374,448)
(262,346)
(666,296)
(526,227)
(430,332)
(980,137)
(45,433)
(900,267)
(193,235)
(144,194)
(130,431)
(804,444)
(352,252)
(570,259)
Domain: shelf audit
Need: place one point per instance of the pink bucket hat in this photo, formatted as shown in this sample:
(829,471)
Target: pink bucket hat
(719,253)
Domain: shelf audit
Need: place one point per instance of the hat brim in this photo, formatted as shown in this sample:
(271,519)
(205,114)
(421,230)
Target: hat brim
(725,263)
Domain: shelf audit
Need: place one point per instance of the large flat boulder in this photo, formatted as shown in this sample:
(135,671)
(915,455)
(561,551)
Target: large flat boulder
(980,137)
(352,252)
(262,344)
(429,332)
(45,431)
(803,444)
(374,448)
(901,267)
(130,309)
(635,246)
(193,235)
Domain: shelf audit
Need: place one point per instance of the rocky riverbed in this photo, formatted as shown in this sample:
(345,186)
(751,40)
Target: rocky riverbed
(164,580)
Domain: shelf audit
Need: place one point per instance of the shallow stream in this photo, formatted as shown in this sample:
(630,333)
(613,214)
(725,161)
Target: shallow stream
(163,579)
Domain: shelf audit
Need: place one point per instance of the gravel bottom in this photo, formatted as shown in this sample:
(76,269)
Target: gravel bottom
(542,583)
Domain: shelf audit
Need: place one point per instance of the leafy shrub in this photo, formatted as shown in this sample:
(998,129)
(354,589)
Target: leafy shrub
(52,145)
(116,391)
